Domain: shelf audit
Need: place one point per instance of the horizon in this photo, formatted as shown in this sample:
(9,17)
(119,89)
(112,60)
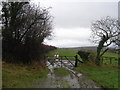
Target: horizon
(72,21)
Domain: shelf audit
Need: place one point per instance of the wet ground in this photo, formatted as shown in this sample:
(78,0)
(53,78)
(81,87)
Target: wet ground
(73,80)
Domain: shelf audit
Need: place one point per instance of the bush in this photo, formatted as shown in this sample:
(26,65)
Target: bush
(91,56)
(26,54)
(87,56)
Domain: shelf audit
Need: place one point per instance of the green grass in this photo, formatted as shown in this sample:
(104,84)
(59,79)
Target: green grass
(106,76)
(61,72)
(64,52)
(108,54)
(16,76)
(112,62)
(71,52)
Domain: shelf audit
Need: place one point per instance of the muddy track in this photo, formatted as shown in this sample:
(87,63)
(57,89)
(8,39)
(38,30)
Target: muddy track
(73,80)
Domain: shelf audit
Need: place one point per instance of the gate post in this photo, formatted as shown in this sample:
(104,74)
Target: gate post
(76,60)
(61,61)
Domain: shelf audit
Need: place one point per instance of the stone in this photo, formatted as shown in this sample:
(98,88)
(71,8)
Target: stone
(79,74)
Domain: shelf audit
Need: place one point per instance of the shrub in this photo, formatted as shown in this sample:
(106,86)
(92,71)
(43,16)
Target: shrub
(91,56)
(84,55)
(87,56)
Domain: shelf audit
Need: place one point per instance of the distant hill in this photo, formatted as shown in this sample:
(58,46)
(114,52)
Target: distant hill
(90,48)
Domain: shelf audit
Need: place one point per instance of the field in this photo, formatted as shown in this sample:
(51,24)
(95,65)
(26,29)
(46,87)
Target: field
(63,52)
(113,61)
(17,76)
(108,54)
(105,75)
(72,52)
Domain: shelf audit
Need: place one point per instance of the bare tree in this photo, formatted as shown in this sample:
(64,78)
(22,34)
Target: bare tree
(105,32)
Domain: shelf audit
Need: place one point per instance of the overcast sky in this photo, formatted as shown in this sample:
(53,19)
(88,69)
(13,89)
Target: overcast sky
(72,20)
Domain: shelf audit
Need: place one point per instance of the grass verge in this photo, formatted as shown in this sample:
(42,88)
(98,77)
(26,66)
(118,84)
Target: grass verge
(61,72)
(106,76)
(21,76)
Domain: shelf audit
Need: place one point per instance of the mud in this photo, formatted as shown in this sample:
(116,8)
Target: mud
(73,80)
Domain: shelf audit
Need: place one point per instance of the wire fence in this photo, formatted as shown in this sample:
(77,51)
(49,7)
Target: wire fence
(109,60)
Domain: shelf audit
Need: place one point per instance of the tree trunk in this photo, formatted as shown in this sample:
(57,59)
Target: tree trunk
(99,48)
(97,60)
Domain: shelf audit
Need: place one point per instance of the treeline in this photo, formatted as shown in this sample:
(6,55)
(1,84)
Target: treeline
(47,48)
(24,28)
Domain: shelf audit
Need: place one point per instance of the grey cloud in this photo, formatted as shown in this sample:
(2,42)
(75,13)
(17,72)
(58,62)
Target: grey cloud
(70,37)
(70,43)
(72,21)
(80,14)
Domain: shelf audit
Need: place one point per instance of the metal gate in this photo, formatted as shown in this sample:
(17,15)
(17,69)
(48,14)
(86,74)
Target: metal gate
(62,61)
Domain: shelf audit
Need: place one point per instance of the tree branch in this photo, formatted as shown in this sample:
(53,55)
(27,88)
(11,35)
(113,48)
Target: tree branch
(103,52)
(27,30)
(108,44)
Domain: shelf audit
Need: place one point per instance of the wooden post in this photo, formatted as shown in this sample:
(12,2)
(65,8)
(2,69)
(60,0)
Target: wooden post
(61,61)
(76,60)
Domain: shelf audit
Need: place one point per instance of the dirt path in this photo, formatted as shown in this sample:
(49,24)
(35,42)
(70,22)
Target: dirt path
(73,80)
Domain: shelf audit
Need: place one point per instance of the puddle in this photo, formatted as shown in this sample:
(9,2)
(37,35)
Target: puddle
(73,80)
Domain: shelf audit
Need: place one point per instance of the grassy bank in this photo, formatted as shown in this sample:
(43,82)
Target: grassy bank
(21,76)
(106,76)
(61,72)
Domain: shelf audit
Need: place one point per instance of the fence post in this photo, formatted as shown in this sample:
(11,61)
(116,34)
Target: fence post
(76,60)
(61,61)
